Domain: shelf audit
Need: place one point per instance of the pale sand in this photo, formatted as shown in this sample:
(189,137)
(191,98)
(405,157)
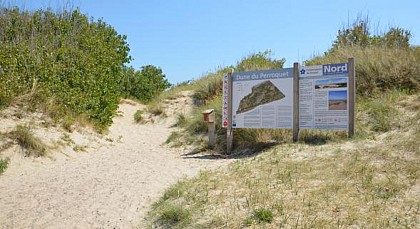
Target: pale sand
(112,185)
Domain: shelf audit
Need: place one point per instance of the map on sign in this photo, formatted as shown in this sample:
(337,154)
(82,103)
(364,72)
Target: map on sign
(262,99)
(262,93)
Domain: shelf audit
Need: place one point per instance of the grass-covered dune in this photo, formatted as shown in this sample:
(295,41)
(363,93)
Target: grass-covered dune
(325,180)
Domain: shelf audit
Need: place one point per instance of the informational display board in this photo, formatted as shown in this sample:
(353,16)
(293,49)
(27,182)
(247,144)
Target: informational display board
(263,99)
(323,97)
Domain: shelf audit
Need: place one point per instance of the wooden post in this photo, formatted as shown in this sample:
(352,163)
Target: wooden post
(212,134)
(210,117)
(352,96)
(295,102)
(229,134)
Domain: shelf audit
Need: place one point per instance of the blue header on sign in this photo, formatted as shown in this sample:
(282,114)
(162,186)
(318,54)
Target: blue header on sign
(335,69)
(262,75)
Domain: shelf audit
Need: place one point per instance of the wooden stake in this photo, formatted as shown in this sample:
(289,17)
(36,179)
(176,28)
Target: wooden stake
(229,134)
(352,96)
(295,102)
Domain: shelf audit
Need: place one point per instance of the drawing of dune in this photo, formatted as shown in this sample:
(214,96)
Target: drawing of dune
(262,93)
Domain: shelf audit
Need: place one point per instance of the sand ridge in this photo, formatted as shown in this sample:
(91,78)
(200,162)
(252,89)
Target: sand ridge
(110,186)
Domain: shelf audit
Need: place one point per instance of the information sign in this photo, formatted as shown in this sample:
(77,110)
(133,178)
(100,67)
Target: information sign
(323,97)
(263,99)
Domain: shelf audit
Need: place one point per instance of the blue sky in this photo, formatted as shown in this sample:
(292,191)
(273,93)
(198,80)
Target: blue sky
(337,95)
(188,38)
(331,80)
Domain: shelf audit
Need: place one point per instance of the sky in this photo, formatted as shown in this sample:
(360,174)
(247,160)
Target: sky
(337,95)
(189,38)
(333,80)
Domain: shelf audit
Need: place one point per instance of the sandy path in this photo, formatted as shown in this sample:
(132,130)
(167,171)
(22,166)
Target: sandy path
(111,187)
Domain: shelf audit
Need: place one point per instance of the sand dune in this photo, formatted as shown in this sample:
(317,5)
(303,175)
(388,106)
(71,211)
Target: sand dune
(110,186)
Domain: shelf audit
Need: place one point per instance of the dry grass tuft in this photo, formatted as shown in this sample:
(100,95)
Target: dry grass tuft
(32,145)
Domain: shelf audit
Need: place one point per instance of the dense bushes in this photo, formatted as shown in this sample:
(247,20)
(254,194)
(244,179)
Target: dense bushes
(66,60)
(143,85)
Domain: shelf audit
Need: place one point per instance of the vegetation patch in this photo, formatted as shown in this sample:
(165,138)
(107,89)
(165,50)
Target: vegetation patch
(259,216)
(138,116)
(353,184)
(32,145)
(4,162)
(325,180)
(156,109)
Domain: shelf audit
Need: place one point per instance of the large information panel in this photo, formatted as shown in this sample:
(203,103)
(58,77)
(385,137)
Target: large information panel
(323,97)
(263,99)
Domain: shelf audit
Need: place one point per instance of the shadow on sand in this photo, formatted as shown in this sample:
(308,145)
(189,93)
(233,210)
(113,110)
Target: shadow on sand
(237,154)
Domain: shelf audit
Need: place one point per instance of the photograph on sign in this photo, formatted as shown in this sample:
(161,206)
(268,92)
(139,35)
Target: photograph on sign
(331,83)
(337,100)
(262,99)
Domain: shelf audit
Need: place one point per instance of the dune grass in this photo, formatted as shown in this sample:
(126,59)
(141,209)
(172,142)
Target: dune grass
(32,145)
(4,162)
(367,182)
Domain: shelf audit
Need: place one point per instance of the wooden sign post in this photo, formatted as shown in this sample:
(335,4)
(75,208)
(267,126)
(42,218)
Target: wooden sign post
(352,96)
(229,134)
(295,102)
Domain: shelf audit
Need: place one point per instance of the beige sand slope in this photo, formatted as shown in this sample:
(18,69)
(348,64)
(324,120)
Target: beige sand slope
(110,186)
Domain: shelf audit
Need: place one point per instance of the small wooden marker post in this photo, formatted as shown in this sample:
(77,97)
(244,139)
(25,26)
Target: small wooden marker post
(209,117)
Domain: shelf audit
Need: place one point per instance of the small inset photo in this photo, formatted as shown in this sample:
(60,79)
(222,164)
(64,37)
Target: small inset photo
(337,100)
(331,83)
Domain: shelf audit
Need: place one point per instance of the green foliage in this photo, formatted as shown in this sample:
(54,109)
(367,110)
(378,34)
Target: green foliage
(260,215)
(30,143)
(259,61)
(358,34)
(383,62)
(138,116)
(209,88)
(181,120)
(65,59)
(380,111)
(4,162)
(144,85)
(68,123)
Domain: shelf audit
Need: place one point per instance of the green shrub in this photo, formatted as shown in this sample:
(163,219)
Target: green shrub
(143,85)
(4,162)
(138,116)
(68,123)
(65,59)
(259,61)
(260,215)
